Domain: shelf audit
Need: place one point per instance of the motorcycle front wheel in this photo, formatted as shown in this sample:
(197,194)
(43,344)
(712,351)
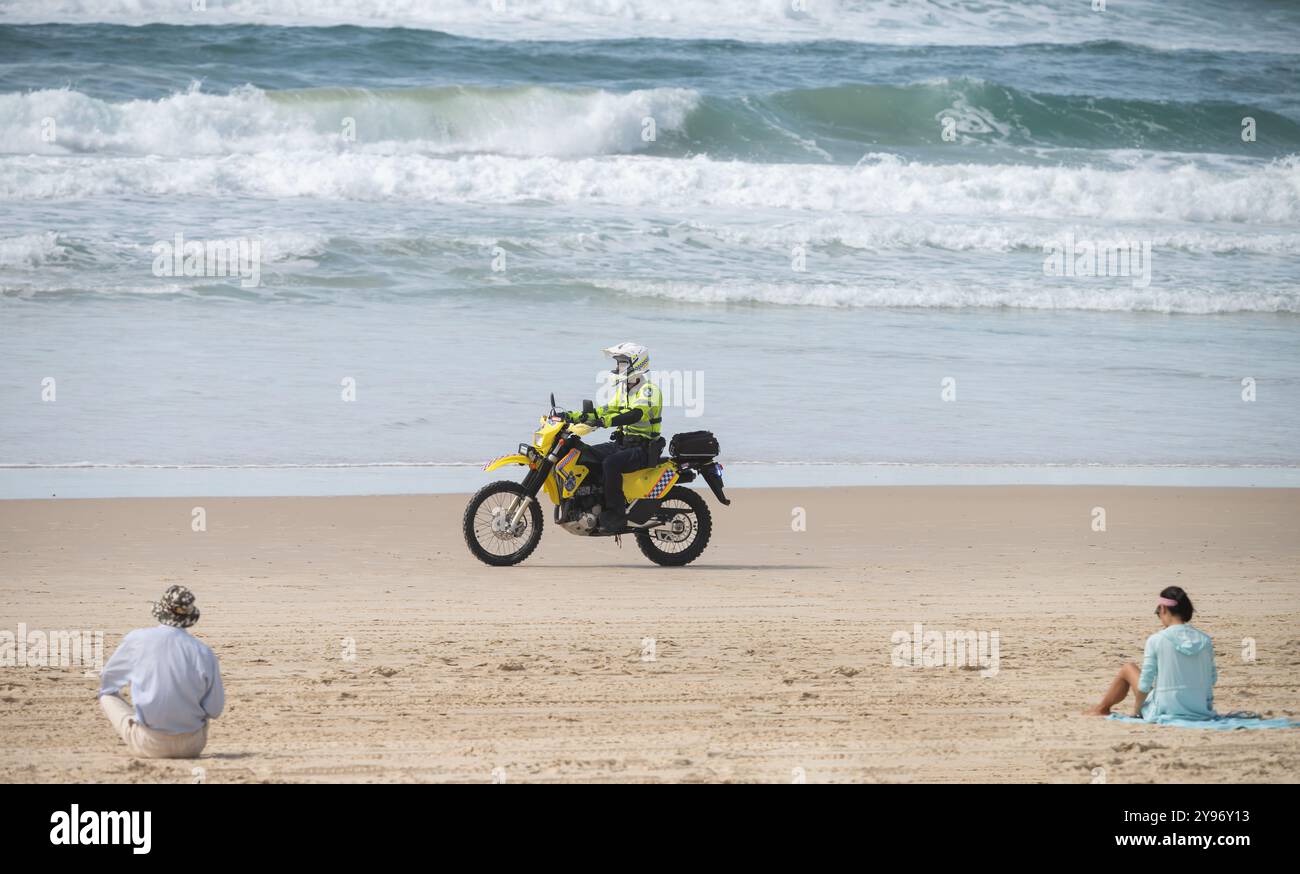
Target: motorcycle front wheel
(489,531)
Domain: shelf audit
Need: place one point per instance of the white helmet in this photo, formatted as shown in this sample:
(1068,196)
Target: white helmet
(631,361)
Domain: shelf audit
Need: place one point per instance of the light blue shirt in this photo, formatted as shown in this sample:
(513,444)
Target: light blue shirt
(1178,673)
(175,681)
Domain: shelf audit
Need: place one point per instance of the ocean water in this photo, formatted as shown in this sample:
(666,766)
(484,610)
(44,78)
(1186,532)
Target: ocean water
(830,222)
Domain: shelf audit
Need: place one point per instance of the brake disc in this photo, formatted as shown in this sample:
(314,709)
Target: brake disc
(501,526)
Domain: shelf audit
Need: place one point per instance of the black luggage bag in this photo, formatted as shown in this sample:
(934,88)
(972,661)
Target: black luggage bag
(693,446)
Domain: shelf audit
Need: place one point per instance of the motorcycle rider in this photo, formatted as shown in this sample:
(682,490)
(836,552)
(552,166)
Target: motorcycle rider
(636,411)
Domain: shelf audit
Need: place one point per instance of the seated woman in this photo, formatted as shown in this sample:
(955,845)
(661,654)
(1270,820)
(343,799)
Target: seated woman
(1176,680)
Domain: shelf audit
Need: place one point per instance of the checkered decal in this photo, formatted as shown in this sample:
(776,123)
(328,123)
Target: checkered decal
(666,480)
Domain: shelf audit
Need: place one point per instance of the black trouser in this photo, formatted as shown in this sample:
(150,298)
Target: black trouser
(615,460)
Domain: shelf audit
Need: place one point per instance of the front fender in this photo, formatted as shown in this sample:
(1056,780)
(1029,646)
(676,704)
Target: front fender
(514,458)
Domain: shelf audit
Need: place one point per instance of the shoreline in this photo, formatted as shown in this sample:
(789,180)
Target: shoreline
(178,481)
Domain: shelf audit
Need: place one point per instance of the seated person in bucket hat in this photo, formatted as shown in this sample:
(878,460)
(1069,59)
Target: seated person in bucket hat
(175,683)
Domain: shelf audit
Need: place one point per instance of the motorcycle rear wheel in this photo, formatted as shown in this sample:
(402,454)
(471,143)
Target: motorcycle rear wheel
(489,537)
(695,515)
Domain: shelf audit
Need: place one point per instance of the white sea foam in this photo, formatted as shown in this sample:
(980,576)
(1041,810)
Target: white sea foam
(288,245)
(917,22)
(889,233)
(936,293)
(1258,193)
(510,121)
(30,251)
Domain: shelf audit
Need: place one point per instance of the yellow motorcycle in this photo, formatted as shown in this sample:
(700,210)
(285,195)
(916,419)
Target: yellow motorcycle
(671,523)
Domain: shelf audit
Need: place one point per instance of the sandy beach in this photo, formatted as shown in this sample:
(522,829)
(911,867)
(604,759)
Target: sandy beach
(771,655)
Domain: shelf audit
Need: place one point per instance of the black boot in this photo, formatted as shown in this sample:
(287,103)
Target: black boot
(613,520)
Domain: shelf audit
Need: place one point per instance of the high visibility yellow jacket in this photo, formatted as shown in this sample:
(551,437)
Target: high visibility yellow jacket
(647,400)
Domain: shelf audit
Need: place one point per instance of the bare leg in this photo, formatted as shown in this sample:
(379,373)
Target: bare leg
(1139,697)
(1126,678)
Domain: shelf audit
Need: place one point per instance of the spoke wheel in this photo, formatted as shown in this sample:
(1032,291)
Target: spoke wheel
(492,531)
(685,533)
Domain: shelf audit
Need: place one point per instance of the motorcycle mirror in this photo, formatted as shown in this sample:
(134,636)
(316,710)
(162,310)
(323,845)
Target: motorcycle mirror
(588,406)
(552,402)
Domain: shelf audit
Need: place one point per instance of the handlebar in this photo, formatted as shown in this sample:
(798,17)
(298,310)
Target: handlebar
(588,408)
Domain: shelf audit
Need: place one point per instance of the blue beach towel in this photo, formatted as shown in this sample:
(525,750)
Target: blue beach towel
(1226,722)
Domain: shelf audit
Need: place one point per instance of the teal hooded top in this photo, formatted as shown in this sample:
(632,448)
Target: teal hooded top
(1178,675)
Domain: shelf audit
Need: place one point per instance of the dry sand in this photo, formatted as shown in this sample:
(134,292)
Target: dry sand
(773,651)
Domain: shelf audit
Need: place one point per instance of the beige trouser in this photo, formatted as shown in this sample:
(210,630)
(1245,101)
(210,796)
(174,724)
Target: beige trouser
(146,742)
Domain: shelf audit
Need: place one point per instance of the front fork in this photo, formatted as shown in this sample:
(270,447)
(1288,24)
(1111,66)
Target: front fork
(532,485)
